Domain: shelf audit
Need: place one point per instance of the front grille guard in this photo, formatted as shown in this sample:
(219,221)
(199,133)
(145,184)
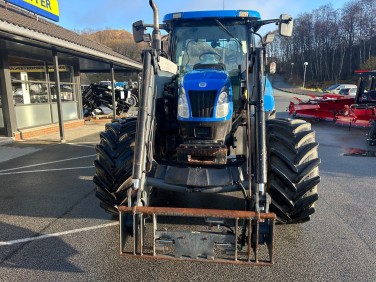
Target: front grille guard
(209,246)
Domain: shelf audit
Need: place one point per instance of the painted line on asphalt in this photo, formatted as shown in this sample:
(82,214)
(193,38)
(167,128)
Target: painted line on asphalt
(46,170)
(47,163)
(83,144)
(58,234)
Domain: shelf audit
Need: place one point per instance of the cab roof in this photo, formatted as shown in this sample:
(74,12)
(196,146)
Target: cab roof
(219,14)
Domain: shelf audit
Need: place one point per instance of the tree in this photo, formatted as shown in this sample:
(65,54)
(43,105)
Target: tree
(335,42)
(370,64)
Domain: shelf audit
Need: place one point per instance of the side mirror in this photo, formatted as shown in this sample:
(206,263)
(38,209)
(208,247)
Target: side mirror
(272,67)
(139,32)
(285,25)
(269,38)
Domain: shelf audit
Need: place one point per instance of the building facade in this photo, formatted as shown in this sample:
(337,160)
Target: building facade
(40,66)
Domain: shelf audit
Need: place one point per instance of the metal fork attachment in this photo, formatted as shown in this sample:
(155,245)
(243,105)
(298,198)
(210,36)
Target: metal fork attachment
(230,236)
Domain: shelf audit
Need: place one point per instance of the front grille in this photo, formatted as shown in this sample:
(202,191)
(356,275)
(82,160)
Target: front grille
(202,103)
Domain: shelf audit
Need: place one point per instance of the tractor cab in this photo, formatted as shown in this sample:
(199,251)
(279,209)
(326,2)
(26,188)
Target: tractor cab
(212,45)
(210,49)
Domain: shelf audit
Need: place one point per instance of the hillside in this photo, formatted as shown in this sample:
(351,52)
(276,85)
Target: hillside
(120,41)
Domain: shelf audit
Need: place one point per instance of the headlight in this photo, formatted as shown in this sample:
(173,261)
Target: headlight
(183,109)
(223,105)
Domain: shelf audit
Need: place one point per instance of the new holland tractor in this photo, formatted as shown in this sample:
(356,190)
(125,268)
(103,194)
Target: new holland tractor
(206,124)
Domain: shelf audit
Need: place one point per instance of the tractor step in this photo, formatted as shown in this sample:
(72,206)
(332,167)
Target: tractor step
(219,242)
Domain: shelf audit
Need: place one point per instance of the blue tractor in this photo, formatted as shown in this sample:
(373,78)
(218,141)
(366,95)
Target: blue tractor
(206,124)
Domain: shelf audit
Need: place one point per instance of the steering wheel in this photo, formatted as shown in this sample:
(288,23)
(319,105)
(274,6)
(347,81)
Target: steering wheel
(216,55)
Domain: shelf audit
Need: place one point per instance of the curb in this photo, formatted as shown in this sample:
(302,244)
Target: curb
(6,140)
(298,93)
(284,90)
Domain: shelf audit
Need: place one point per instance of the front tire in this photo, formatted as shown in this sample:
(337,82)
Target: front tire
(293,172)
(114,163)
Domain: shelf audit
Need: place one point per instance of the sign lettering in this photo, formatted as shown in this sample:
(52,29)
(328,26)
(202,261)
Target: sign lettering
(36,68)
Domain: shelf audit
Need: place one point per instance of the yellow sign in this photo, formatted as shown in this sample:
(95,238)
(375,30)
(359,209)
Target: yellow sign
(45,8)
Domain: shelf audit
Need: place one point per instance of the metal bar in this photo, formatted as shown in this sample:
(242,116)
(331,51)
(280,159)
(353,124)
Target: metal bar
(154,230)
(224,261)
(147,90)
(121,232)
(77,89)
(187,212)
(257,230)
(134,233)
(113,91)
(271,243)
(58,95)
(141,233)
(129,196)
(236,238)
(261,166)
(249,243)
(249,128)
(160,183)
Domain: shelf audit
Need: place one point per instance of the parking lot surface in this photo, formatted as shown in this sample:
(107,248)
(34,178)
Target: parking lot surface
(52,228)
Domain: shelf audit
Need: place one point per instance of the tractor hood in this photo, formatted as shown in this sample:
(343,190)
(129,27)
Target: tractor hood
(206,79)
(203,88)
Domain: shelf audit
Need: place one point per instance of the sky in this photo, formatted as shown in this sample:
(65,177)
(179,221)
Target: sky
(120,14)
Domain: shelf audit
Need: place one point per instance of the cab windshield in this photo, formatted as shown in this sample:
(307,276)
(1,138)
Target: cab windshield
(212,44)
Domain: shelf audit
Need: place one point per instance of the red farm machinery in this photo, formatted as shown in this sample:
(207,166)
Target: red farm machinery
(358,111)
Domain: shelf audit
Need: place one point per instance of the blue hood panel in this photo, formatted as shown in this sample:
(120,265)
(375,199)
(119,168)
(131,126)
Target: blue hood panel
(208,80)
(214,79)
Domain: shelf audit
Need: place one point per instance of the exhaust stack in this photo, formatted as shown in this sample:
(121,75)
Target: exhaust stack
(156,32)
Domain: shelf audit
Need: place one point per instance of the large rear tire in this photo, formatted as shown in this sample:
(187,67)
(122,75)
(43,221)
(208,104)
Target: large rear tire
(114,163)
(293,172)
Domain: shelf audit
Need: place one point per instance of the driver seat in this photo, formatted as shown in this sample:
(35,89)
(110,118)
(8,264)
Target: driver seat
(219,66)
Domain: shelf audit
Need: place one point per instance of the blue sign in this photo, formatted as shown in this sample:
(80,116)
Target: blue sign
(45,8)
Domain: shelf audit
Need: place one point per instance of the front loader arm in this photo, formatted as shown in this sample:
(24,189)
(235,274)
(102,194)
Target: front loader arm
(145,122)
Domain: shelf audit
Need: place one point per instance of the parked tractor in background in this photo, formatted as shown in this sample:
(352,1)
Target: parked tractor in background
(95,97)
(206,124)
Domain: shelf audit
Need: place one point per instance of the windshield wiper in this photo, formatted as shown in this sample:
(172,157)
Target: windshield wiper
(227,31)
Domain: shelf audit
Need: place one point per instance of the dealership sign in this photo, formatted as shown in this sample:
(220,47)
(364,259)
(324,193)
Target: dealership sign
(45,8)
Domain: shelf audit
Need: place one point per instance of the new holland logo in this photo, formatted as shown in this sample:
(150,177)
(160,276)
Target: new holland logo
(202,84)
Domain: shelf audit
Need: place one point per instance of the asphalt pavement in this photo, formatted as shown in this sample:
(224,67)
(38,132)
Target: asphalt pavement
(10,149)
(52,228)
